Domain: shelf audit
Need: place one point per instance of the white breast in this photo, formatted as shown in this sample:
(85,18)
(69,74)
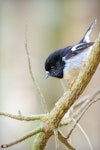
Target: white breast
(74,64)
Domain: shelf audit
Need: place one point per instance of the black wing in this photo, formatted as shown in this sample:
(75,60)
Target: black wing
(82,45)
(78,48)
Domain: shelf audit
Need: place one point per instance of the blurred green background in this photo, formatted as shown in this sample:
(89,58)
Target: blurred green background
(51,25)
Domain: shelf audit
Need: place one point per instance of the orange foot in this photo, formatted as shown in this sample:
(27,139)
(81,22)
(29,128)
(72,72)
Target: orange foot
(84,63)
(70,85)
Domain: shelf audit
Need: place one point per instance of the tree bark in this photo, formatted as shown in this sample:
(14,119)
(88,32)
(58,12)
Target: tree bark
(69,97)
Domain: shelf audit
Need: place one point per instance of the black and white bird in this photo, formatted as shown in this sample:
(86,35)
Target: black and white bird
(67,62)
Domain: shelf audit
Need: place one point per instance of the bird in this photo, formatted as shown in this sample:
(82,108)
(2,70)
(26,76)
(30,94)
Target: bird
(66,63)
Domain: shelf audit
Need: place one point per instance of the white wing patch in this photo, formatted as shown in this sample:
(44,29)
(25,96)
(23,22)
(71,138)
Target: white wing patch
(74,48)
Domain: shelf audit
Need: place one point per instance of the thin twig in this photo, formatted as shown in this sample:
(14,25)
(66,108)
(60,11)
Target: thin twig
(31,74)
(68,119)
(84,133)
(56,138)
(81,117)
(41,117)
(62,138)
(81,101)
(82,105)
(30,134)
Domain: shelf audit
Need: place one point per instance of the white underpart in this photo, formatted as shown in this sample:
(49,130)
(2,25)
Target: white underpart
(74,64)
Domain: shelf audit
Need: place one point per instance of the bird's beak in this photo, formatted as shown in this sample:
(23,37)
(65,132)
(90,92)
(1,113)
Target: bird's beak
(47,74)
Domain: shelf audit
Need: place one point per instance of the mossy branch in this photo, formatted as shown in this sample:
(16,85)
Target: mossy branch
(69,97)
(53,120)
(30,134)
(21,117)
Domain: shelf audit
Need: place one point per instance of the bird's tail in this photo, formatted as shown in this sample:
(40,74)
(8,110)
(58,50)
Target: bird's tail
(86,38)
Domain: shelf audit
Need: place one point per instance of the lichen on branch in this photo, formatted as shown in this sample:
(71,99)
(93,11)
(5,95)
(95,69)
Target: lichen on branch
(53,121)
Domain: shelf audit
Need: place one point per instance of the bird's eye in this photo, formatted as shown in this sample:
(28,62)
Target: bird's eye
(52,67)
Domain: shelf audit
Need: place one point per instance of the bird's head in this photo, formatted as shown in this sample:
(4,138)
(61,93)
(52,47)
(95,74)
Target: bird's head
(54,65)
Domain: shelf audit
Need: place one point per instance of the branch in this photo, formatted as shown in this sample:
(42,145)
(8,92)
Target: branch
(80,106)
(31,74)
(56,138)
(86,102)
(42,117)
(81,116)
(42,130)
(23,138)
(62,138)
(69,97)
(86,136)
(52,121)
